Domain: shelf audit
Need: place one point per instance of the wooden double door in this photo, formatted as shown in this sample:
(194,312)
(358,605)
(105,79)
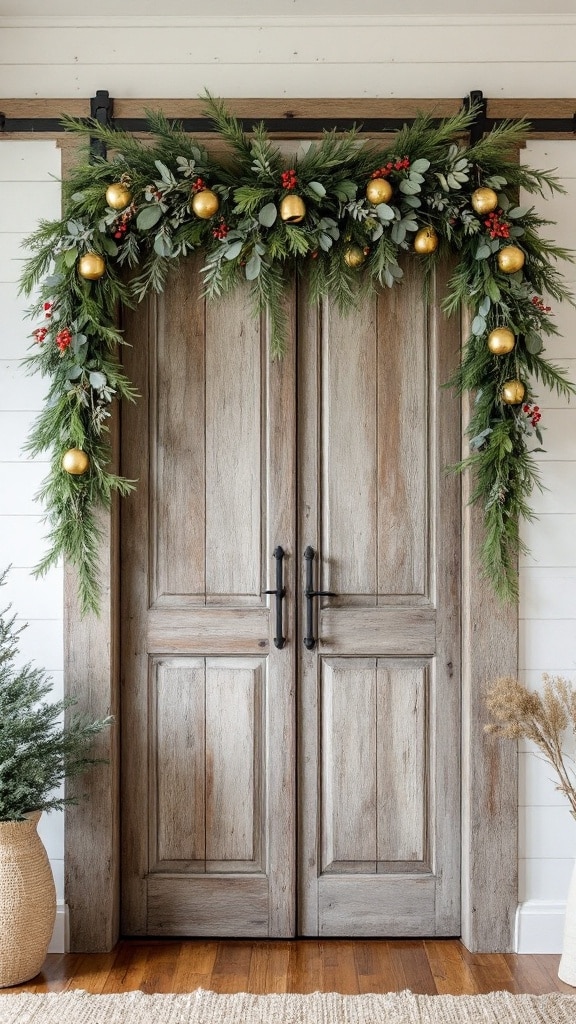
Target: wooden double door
(304,783)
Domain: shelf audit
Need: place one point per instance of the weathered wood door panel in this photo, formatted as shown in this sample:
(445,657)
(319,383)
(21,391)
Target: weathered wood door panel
(207,699)
(379,691)
(341,447)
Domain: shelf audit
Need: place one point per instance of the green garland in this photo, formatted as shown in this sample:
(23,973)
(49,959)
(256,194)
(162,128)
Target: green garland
(344,245)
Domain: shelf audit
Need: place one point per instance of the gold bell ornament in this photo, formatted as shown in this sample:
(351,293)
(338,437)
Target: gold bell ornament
(513,392)
(484,200)
(205,204)
(91,266)
(510,259)
(378,190)
(426,240)
(75,461)
(292,209)
(354,257)
(501,341)
(118,195)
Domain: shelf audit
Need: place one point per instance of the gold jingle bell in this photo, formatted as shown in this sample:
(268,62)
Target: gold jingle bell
(292,209)
(510,259)
(91,266)
(75,461)
(513,392)
(484,200)
(426,240)
(501,341)
(205,204)
(354,257)
(378,190)
(118,195)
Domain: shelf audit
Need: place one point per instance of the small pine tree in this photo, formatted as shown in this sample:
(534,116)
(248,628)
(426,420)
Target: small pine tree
(36,750)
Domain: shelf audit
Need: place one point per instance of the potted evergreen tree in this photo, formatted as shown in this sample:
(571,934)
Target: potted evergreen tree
(37,752)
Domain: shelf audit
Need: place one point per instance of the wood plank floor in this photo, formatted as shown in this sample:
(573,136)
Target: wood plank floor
(300,965)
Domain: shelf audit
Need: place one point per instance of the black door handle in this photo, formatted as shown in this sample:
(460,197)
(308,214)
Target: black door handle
(310,594)
(279,593)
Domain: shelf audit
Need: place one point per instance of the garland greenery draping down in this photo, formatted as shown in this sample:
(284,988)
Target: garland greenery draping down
(345,213)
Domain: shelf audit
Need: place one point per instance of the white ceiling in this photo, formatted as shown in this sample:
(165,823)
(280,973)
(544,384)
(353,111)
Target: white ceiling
(282,8)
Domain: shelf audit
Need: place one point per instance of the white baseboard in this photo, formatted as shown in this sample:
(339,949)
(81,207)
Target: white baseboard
(60,943)
(539,927)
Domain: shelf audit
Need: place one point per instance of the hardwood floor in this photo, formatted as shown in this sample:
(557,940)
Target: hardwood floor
(300,965)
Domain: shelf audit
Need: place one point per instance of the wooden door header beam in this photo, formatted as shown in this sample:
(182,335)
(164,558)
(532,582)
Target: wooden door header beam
(549,118)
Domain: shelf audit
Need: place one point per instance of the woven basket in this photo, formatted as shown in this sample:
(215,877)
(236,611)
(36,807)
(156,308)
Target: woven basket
(27,901)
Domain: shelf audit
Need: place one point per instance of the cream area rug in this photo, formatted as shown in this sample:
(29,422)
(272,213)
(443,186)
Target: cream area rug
(202,1007)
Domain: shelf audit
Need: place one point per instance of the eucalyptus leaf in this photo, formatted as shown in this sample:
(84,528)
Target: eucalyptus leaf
(74,372)
(518,211)
(420,166)
(412,201)
(109,245)
(493,290)
(483,252)
(325,242)
(233,250)
(78,342)
(516,231)
(409,187)
(69,257)
(385,212)
(533,343)
(484,307)
(78,197)
(398,232)
(148,217)
(478,326)
(318,188)
(167,176)
(253,267)
(267,215)
(73,227)
(163,245)
(97,379)
(345,191)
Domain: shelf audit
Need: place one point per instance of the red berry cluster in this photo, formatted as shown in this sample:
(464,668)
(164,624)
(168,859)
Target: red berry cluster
(198,185)
(122,222)
(48,309)
(289,179)
(392,165)
(533,413)
(40,333)
(221,230)
(537,301)
(63,339)
(497,227)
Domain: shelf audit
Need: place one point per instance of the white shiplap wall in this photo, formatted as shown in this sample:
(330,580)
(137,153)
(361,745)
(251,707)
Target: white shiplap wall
(303,56)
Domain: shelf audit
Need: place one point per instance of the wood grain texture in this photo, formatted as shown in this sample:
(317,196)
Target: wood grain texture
(489,769)
(440,966)
(91,671)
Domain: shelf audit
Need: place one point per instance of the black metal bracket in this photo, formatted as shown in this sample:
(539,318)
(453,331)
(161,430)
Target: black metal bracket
(475,101)
(101,108)
(279,594)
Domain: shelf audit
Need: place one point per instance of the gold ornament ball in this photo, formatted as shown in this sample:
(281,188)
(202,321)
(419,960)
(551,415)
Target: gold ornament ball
(378,190)
(513,392)
(292,209)
(205,204)
(426,240)
(484,200)
(354,257)
(91,266)
(75,462)
(501,341)
(510,259)
(118,196)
